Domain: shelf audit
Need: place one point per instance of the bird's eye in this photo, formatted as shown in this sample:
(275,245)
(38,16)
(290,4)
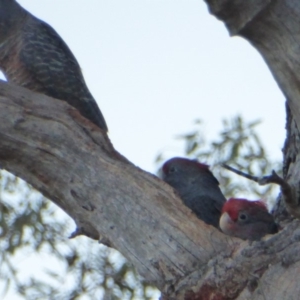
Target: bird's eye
(242,217)
(172,169)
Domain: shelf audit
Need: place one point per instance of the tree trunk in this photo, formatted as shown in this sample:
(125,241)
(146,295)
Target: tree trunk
(73,163)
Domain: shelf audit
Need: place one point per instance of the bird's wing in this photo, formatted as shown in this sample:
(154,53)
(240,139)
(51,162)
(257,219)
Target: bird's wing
(55,69)
(206,208)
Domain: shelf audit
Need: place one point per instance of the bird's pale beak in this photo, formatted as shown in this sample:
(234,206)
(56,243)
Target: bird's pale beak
(226,223)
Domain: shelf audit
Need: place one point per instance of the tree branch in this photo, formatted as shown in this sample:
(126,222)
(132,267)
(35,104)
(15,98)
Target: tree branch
(51,146)
(72,162)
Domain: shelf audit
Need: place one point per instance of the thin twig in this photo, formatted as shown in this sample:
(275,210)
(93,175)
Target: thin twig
(273,178)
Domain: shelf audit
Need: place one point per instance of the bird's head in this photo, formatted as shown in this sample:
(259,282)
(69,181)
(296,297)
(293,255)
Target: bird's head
(246,219)
(182,165)
(186,173)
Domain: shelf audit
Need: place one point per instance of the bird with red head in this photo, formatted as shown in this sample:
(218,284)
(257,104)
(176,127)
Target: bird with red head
(248,220)
(197,187)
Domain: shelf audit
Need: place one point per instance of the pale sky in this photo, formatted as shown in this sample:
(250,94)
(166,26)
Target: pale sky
(154,66)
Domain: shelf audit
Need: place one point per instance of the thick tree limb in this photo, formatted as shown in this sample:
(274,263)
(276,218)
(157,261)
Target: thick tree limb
(51,146)
(72,162)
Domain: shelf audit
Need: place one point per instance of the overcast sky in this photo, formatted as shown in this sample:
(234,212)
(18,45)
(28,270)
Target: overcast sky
(154,66)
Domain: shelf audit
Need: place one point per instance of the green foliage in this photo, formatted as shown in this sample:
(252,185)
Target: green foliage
(38,261)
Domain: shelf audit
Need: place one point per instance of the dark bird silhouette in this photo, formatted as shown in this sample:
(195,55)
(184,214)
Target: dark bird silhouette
(197,187)
(248,220)
(34,56)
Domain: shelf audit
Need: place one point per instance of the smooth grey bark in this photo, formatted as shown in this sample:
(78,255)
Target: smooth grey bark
(73,163)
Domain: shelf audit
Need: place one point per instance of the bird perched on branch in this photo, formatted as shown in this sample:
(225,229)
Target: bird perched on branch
(197,187)
(248,220)
(34,56)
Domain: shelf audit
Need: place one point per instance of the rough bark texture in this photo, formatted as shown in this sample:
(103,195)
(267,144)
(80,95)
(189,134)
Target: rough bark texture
(72,162)
(51,146)
(273,28)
